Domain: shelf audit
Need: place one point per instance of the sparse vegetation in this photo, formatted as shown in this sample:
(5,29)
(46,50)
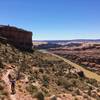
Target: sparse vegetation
(44,72)
(31,89)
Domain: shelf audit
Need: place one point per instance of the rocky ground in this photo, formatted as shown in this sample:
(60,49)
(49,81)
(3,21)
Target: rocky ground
(43,76)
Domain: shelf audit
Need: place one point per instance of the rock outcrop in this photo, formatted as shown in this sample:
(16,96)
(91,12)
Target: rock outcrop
(18,37)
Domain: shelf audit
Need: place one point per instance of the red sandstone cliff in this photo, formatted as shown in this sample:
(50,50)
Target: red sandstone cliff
(19,37)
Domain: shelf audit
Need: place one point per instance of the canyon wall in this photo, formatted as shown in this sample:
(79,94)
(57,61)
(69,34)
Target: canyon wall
(19,37)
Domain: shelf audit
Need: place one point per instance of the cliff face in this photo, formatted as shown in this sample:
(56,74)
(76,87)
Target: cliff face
(19,37)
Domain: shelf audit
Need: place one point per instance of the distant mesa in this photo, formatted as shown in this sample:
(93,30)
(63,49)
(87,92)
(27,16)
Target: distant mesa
(16,36)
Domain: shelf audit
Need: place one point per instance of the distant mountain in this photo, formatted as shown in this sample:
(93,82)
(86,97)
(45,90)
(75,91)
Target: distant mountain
(66,41)
(86,40)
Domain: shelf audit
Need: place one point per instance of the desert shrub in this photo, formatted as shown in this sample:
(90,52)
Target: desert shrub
(71,75)
(65,83)
(31,78)
(78,92)
(89,91)
(45,80)
(41,70)
(36,74)
(45,91)
(1,64)
(59,73)
(93,82)
(59,81)
(24,67)
(39,95)
(69,84)
(31,89)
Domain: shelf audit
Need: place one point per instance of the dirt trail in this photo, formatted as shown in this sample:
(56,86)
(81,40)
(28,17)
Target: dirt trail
(87,73)
(6,80)
(19,95)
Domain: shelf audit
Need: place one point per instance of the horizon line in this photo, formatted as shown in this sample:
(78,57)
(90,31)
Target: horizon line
(63,39)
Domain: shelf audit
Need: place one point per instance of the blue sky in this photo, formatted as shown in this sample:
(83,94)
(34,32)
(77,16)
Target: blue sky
(54,19)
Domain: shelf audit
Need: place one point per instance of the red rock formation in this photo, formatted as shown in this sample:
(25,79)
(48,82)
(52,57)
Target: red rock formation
(19,37)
